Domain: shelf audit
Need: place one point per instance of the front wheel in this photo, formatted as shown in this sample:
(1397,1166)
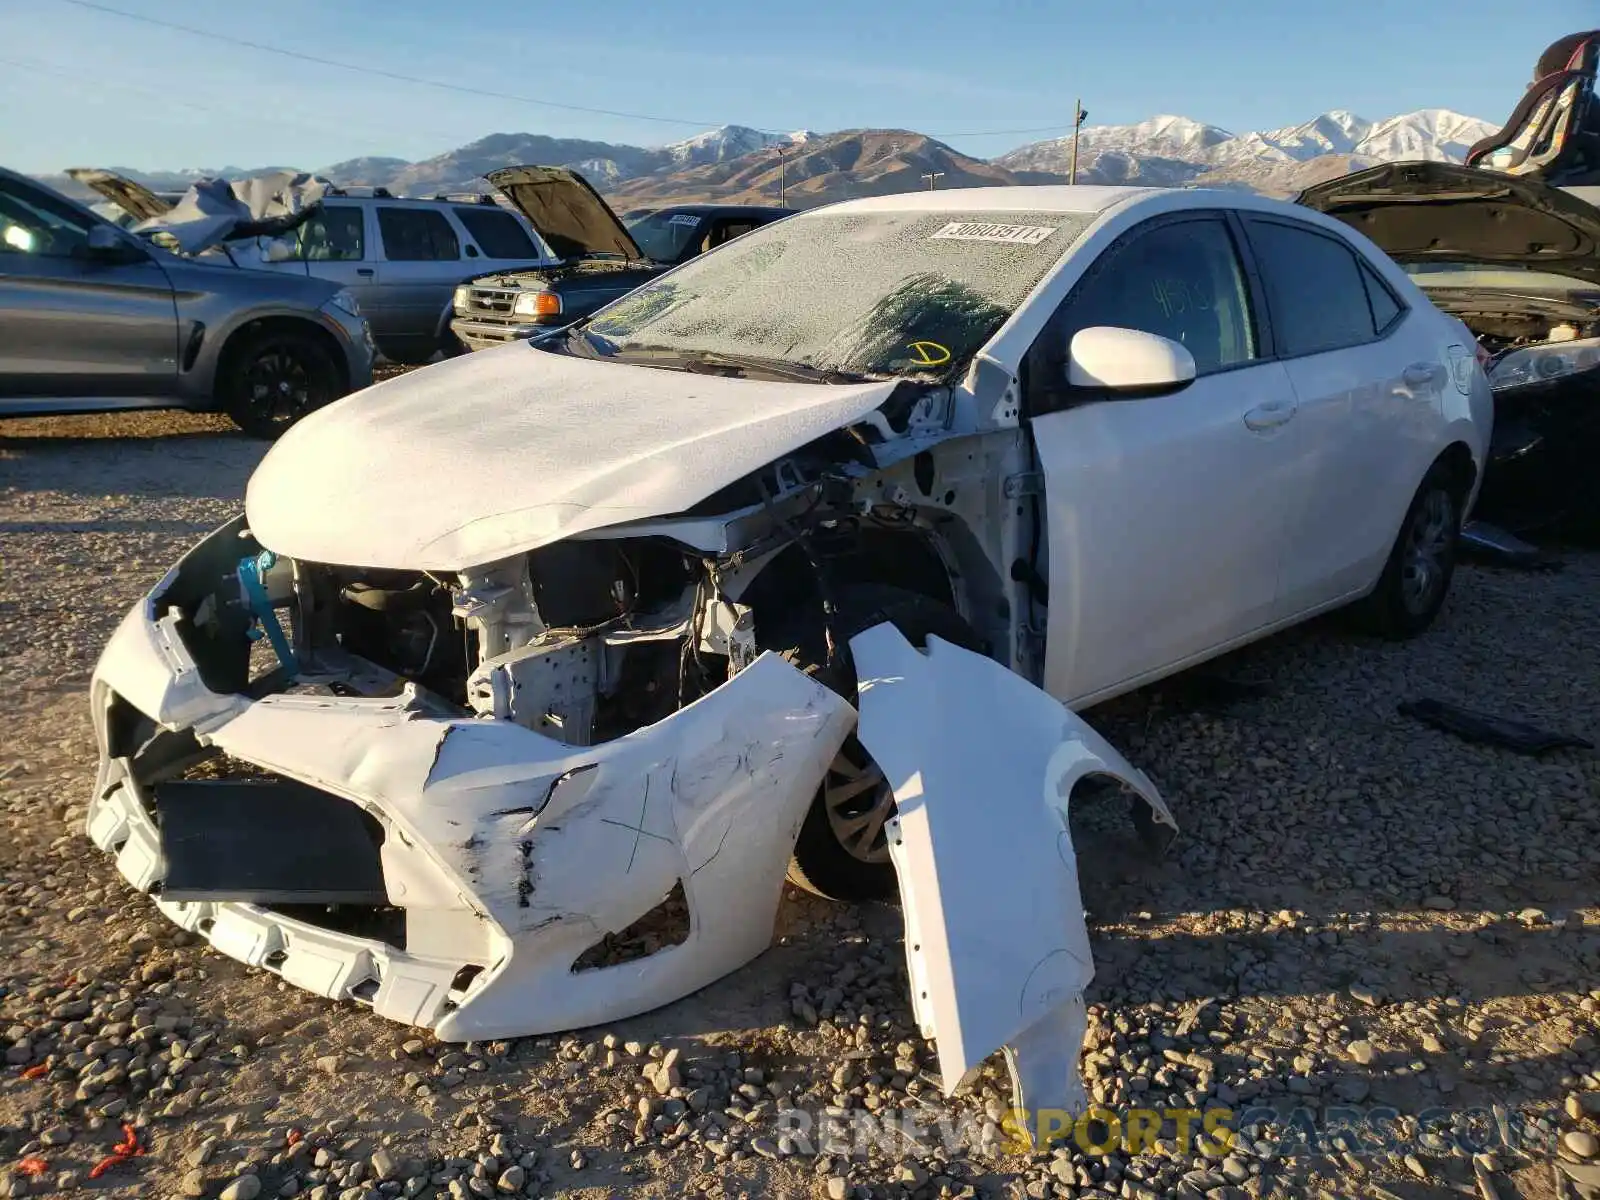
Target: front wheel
(1416,579)
(842,852)
(276,377)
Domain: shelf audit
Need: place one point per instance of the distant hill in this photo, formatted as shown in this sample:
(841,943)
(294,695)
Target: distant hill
(736,163)
(825,168)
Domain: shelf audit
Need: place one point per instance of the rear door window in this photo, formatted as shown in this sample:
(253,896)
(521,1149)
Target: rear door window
(416,235)
(1314,284)
(336,234)
(497,233)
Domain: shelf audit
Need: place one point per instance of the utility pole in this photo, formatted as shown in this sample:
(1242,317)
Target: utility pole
(783,201)
(932,176)
(1078,118)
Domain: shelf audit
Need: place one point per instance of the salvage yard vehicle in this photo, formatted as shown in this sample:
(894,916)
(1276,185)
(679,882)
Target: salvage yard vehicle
(94,319)
(400,256)
(806,552)
(1519,262)
(602,256)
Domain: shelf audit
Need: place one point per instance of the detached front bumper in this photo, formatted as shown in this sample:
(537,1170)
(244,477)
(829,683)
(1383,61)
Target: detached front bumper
(508,854)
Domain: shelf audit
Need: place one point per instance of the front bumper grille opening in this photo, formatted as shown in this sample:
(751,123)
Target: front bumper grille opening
(372,923)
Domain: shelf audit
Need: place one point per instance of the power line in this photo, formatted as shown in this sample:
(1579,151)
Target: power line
(98,89)
(380,73)
(464,89)
(1000,132)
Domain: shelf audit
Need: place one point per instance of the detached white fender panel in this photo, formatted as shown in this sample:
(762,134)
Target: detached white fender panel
(983,764)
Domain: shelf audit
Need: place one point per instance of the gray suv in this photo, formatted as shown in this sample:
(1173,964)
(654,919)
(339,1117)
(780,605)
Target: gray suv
(401,256)
(94,319)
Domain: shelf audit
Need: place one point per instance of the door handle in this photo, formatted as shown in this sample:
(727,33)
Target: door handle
(1269,415)
(1419,374)
(364,271)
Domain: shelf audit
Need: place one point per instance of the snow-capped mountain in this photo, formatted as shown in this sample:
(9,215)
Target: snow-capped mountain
(1165,137)
(735,161)
(1435,133)
(728,142)
(1173,150)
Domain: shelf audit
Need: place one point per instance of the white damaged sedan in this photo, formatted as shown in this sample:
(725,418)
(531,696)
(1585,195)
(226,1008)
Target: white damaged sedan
(522,679)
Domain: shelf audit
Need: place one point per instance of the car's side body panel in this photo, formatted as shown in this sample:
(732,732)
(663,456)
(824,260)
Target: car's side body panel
(145,328)
(1164,537)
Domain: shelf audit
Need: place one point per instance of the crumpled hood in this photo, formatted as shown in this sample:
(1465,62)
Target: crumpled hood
(214,211)
(499,452)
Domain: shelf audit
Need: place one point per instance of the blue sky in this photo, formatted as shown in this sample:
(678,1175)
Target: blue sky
(79,86)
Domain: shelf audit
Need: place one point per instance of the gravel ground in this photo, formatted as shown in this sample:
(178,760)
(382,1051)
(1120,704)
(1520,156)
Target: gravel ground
(1362,914)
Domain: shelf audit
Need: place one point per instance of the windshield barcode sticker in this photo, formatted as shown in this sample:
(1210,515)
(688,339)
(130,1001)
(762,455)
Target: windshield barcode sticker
(976,231)
(683,219)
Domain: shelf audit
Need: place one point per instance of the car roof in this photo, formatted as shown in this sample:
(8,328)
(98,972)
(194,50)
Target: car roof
(363,197)
(1075,198)
(724,210)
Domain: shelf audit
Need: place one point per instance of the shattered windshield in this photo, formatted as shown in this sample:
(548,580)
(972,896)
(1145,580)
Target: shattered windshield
(664,236)
(848,293)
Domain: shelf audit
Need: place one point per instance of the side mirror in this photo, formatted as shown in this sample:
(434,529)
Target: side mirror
(106,244)
(1128,361)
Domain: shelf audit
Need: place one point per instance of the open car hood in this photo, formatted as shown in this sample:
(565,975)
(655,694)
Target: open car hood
(133,198)
(495,453)
(1441,212)
(568,213)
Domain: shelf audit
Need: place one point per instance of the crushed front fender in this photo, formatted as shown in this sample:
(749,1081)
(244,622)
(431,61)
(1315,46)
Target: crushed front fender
(983,765)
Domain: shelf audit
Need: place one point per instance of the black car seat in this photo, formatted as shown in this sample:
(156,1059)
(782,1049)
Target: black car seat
(1554,132)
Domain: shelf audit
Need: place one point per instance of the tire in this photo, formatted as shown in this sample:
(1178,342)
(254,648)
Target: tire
(1416,579)
(275,377)
(823,862)
(450,346)
(410,355)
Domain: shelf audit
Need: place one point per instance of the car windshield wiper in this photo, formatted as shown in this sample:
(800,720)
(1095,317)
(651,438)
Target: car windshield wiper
(777,367)
(585,344)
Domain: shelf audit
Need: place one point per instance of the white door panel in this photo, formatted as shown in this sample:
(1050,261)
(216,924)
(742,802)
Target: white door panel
(1165,524)
(1371,416)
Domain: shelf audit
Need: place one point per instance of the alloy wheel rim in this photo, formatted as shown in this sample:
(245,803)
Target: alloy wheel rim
(1426,559)
(279,385)
(858,801)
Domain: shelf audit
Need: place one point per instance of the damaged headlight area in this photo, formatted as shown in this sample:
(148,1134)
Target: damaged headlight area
(1546,363)
(553,791)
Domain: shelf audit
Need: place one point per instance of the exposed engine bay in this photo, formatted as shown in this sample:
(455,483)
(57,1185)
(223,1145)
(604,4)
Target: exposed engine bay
(1542,357)
(588,639)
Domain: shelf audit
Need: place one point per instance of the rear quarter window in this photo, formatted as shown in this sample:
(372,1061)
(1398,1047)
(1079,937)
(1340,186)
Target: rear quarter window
(497,233)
